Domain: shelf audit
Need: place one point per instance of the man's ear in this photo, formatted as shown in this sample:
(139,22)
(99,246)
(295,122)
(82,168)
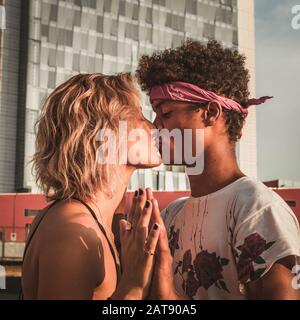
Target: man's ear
(212,113)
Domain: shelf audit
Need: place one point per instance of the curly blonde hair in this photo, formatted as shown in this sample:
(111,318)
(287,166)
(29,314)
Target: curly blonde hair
(66,142)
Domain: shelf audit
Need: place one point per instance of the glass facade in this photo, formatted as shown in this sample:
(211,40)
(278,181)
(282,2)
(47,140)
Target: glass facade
(67,37)
(9,89)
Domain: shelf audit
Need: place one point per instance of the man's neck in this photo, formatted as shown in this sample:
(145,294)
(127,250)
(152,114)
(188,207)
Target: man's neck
(220,169)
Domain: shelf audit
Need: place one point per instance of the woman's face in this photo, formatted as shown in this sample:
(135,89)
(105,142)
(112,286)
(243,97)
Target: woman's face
(142,147)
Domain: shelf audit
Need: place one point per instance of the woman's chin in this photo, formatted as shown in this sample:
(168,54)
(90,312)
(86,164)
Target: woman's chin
(149,165)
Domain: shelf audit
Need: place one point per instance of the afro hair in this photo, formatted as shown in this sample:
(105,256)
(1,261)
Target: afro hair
(207,65)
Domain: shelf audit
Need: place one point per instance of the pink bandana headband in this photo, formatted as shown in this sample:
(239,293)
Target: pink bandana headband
(187,92)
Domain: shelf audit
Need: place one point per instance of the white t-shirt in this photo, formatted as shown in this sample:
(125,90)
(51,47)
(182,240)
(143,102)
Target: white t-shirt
(228,238)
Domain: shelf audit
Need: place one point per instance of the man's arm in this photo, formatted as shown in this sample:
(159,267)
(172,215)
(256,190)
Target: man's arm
(162,286)
(276,284)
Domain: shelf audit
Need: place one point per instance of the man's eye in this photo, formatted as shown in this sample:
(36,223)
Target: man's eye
(167,114)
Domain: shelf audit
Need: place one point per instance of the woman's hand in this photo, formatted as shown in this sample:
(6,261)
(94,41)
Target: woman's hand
(138,245)
(120,214)
(122,205)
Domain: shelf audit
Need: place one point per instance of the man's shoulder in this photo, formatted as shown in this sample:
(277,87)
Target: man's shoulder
(251,190)
(254,197)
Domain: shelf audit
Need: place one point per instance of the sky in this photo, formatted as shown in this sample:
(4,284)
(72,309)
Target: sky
(278,75)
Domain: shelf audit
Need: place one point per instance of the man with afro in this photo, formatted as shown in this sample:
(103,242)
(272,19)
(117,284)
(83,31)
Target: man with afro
(233,238)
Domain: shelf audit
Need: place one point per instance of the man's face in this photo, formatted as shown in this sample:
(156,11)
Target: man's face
(172,115)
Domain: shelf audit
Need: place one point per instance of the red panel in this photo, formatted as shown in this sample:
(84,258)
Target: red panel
(27,201)
(6,210)
(291,195)
(12,212)
(272,184)
(163,197)
(12,206)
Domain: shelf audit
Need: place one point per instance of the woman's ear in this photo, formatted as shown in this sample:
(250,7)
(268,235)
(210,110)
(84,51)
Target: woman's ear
(212,113)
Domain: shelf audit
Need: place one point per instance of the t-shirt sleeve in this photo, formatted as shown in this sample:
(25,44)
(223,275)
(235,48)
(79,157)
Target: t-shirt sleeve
(169,213)
(164,214)
(263,238)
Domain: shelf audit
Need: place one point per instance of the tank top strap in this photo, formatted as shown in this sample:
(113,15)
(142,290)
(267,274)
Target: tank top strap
(21,296)
(36,227)
(118,266)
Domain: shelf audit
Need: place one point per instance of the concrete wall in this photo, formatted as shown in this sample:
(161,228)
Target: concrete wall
(247,149)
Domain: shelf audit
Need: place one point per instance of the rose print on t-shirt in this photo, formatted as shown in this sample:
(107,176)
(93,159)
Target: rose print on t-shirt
(173,240)
(209,267)
(204,271)
(250,254)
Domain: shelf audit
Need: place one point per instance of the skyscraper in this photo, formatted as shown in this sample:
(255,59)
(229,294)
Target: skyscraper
(11,91)
(54,39)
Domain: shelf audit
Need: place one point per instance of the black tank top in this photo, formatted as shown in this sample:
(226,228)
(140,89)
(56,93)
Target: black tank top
(118,267)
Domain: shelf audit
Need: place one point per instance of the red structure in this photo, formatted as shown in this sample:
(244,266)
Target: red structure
(272,184)
(292,197)
(15,209)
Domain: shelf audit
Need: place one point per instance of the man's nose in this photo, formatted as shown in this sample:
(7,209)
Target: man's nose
(158,124)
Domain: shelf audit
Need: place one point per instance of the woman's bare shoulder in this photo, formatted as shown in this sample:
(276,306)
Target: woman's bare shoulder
(68,223)
(70,240)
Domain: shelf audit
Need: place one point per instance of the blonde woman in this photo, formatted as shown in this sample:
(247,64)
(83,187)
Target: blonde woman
(70,251)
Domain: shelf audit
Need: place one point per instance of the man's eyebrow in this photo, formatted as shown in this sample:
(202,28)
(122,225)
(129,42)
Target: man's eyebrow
(189,107)
(159,104)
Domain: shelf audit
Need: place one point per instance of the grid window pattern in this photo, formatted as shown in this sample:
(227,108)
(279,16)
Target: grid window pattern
(9,94)
(108,36)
